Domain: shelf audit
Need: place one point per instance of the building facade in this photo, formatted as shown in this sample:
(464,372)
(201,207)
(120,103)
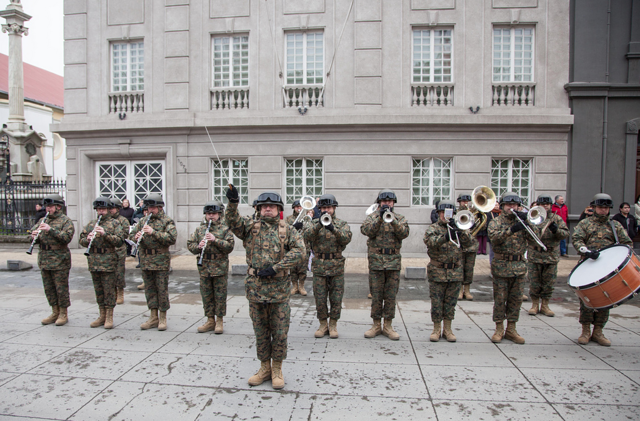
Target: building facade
(430,98)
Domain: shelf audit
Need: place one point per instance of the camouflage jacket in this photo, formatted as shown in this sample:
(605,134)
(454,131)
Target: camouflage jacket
(112,239)
(289,219)
(323,241)
(441,250)
(59,235)
(595,233)
(535,253)
(124,222)
(263,248)
(215,261)
(385,238)
(505,243)
(305,223)
(154,247)
(473,246)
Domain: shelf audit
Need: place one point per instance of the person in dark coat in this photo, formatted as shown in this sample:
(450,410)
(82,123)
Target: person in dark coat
(434,213)
(40,211)
(627,220)
(127,211)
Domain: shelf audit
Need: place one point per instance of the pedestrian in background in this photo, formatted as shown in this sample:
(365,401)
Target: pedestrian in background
(560,209)
(627,220)
(127,211)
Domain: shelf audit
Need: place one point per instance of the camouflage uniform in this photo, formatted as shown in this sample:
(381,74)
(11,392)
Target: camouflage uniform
(268,297)
(469,254)
(215,266)
(542,266)
(385,241)
(595,233)
(298,274)
(155,259)
(54,258)
(444,280)
(328,264)
(122,251)
(103,260)
(508,267)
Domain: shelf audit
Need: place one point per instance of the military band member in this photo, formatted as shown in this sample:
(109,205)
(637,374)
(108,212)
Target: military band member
(217,240)
(590,235)
(122,250)
(298,274)
(54,258)
(328,241)
(445,270)
(542,266)
(384,243)
(272,248)
(157,232)
(469,254)
(509,240)
(104,238)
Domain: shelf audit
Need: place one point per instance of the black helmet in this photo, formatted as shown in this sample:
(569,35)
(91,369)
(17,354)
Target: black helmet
(53,199)
(464,197)
(255,203)
(102,202)
(213,206)
(117,203)
(387,194)
(269,197)
(510,197)
(154,199)
(544,199)
(327,200)
(446,204)
(602,199)
(294,204)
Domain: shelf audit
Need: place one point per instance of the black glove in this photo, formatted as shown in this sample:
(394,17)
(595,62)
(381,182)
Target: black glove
(267,273)
(447,237)
(330,227)
(517,227)
(593,255)
(453,226)
(383,209)
(522,215)
(553,227)
(232,195)
(298,226)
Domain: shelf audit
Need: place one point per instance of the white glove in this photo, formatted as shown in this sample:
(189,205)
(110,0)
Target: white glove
(584,250)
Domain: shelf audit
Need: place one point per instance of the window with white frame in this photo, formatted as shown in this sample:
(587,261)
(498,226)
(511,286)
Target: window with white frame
(231,171)
(131,180)
(431,180)
(511,175)
(432,56)
(513,54)
(304,58)
(230,61)
(304,177)
(127,66)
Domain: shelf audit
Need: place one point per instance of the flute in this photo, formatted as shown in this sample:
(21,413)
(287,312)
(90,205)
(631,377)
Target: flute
(205,244)
(33,243)
(134,250)
(88,251)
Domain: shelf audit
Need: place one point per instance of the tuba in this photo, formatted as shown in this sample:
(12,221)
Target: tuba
(483,200)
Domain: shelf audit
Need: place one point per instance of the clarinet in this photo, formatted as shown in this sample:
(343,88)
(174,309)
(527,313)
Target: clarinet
(88,251)
(134,250)
(33,243)
(205,244)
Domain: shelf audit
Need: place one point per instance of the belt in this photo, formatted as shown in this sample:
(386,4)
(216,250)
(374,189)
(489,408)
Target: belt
(101,250)
(445,265)
(151,252)
(212,256)
(327,256)
(53,247)
(540,249)
(509,257)
(385,251)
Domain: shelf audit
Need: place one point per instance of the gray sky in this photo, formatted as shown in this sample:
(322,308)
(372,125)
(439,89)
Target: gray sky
(44,46)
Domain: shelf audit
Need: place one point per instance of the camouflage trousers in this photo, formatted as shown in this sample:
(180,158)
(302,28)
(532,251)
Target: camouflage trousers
(120,273)
(214,295)
(332,288)
(271,327)
(444,297)
(384,288)
(56,287)
(468,264)
(299,273)
(542,277)
(507,298)
(104,284)
(590,316)
(156,289)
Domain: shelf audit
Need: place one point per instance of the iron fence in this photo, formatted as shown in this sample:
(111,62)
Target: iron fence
(18,203)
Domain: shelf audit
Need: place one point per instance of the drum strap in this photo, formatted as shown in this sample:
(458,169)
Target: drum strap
(615,234)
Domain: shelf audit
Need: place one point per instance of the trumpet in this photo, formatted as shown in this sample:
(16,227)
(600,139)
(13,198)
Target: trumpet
(535,216)
(205,244)
(326,219)
(88,251)
(134,250)
(33,243)
(307,203)
(464,220)
(386,217)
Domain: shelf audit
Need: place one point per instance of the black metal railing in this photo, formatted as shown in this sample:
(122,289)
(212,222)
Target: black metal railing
(18,203)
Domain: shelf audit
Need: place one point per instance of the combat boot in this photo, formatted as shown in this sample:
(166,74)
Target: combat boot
(323,329)
(333,329)
(119,295)
(62,317)
(388,330)
(375,330)
(101,318)
(467,292)
(52,317)
(586,334)
(294,287)
(263,374)
(369,296)
(461,294)
(437,329)
(447,332)
(598,336)
(544,308)
(301,289)
(108,322)
(162,322)
(512,335)
(277,380)
(153,320)
(210,324)
(535,303)
(499,333)
(525,298)
(219,326)
(141,286)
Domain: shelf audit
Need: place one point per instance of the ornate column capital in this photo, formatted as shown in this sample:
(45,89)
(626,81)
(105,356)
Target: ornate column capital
(15,29)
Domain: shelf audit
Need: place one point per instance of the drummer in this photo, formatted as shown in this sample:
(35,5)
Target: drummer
(592,234)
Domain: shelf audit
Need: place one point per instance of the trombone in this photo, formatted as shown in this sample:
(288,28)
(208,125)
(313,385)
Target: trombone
(307,203)
(386,217)
(535,216)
